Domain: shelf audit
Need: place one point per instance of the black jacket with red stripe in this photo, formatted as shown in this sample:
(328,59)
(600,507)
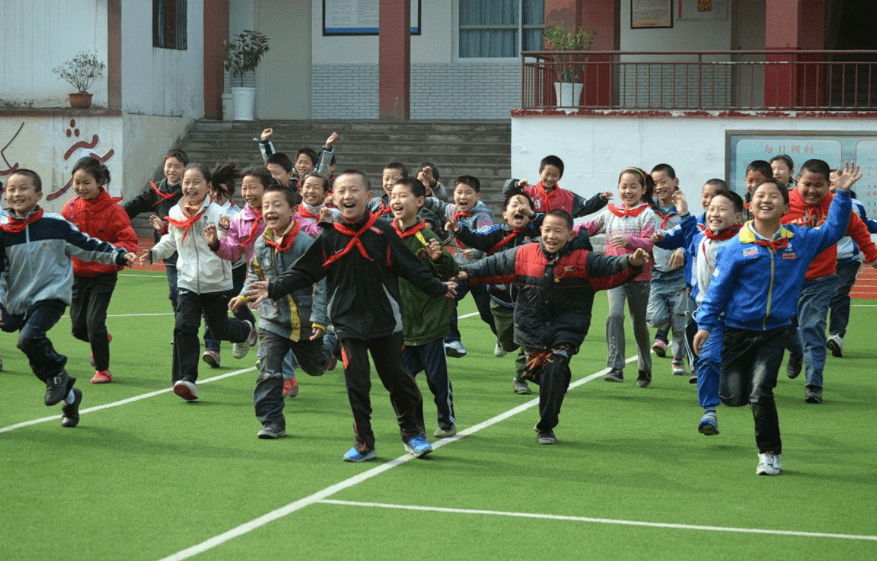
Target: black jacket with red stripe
(362,294)
(555,291)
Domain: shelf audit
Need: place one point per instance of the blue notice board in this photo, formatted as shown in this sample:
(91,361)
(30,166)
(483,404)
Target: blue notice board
(835,147)
(360,17)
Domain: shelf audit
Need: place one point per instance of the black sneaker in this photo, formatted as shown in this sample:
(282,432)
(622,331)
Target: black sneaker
(793,367)
(58,387)
(813,395)
(70,413)
(615,375)
(546,437)
(644,379)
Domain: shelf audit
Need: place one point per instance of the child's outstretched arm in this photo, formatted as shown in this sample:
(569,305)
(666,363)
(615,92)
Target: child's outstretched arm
(325,162)
(265,146)
(582,207)
(498,268)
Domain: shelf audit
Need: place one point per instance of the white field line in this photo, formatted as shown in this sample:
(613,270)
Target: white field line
(321,496)
(614,521)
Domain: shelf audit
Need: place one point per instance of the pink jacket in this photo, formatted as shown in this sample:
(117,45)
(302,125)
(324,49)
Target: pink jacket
(241,226)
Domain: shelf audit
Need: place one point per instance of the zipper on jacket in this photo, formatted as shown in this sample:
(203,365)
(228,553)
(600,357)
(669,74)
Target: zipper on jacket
(771,253)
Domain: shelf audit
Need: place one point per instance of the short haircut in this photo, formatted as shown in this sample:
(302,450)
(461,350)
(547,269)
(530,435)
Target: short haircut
(736,200)
(34,178)
(310,153)
(95,168)
(666,168)
(551,161)
(262,174)
(281,160)
(786,159)
(292,197)
(470,181)
(512,195)
(323,180)
(816,166)
(761,167)
(562,214)
(771,181)
(177,154)
(720,183)
(224,176)
(414,185)
(400,167)
(363,176)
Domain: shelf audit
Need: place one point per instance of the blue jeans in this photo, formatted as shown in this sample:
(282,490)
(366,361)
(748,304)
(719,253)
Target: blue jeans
(840,302)
(709,364)
(812,314)
(751,362)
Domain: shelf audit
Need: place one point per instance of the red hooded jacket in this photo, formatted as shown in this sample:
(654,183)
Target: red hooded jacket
(101,218)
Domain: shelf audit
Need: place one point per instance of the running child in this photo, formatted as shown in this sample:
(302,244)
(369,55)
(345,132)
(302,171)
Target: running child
(306,160)
(547,193)
(204,281)
(425,319)
(362,258)
(37,279)
(756,284)
(99,215)
(290,325)
(315,194)
(628,227)
(556,286)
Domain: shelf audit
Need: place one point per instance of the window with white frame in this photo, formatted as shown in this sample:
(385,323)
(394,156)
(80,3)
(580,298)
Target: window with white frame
(500,28)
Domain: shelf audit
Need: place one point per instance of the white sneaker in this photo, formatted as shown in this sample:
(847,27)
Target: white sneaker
(186,390)
(768,464)
(836,346)
(455,349)
(498,351)
(240,350)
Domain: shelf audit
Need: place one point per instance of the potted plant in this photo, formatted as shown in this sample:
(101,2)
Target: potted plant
(243,55)
(569,68)
(81,71)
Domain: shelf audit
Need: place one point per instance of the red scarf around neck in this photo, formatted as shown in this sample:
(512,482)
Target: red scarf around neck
(410,231)
(355,240)
(161,196)
(305,213)
(665,217)
(287,240)
(721,236)
(775,245)
(506,240)
(17,225)
(254,231)
(623,213)
(187,223)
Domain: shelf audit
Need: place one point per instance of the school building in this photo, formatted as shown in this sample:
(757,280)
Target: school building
(701,84)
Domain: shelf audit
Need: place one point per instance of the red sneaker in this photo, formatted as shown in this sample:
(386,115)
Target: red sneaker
(102,377)
(290,388)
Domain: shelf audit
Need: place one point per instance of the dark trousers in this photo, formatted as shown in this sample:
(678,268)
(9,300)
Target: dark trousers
(504,320)
(88,314)
(430,358)
(45,362)
(552,388)
(187,348)
(750,364)
(840,302)
(312,357)
(386,353)
(238,276)
(171,272)
(482,301)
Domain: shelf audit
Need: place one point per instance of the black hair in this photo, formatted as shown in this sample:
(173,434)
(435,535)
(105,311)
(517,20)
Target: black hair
(512,195)
(666,168)
(205,171)
(644,179)
(34,178)
(782,188)
(786,159)
(281,160)
(736,200)
(95,168)
(178,154)
(562,214)
(323,180)
(720,183)
(397,166)
(816,166)
(224,176)
(292,197)
(430,165)
(470,181)
(761,167)
(352,171)
(551,161)
(309,152)
(263,174)
(414,185)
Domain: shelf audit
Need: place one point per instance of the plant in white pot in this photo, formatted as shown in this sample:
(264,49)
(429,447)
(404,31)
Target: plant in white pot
(568,62)
(243,55)
(81,71)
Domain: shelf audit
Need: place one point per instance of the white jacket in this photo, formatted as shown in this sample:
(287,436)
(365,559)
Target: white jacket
(199,270)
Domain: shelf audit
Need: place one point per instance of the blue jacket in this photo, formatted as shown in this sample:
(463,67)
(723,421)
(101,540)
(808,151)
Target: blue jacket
(757,287)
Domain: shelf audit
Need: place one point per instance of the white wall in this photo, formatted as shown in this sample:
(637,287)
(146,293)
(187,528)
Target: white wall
(145,141)
(36,40)
(685,35)
(284,76)
(596,148)
(156,81)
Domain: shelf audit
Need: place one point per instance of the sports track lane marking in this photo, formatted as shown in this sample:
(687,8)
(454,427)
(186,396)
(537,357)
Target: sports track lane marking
(614,521)
(321,496)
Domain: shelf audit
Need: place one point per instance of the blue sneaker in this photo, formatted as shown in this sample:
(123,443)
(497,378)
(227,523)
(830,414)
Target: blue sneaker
(709,424)
(354,455)
(418,446)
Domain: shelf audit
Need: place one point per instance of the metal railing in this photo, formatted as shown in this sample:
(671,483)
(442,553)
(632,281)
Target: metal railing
(767,80)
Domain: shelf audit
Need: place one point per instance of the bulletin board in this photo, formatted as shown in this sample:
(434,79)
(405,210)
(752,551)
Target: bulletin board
(360,17)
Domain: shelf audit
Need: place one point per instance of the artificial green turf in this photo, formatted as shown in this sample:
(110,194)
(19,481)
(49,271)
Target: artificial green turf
(153,477)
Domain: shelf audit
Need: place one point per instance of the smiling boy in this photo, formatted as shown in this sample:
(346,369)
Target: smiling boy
(547,193)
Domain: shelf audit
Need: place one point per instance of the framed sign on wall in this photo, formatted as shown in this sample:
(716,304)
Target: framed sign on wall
(360,17)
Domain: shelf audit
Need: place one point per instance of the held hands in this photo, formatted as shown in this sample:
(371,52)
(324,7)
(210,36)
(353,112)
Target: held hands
(316,333)
(618,241)
(145,259)
(846,176)
(267,134)
(235,303)
(452,290)
(331,140)
(699,339)
(657,237)
(638,258)
(131,258)
(156,222)
(680,202)
(434,250)
(676,260)
(452,225)
(462,276)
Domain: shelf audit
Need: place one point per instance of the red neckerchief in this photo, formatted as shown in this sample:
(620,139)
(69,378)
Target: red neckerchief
(457,216)
(410,231)
(187,223)
(355,240)
(540,190)
(162,197)
(506,240)
(254,231)
(665,217)
(776,245)
(623,213)
(721,236)
(305,213)
(385,209)
(17,225)
(287,240)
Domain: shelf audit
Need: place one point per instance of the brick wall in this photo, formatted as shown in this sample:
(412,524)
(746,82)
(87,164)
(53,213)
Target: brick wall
(438,91)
